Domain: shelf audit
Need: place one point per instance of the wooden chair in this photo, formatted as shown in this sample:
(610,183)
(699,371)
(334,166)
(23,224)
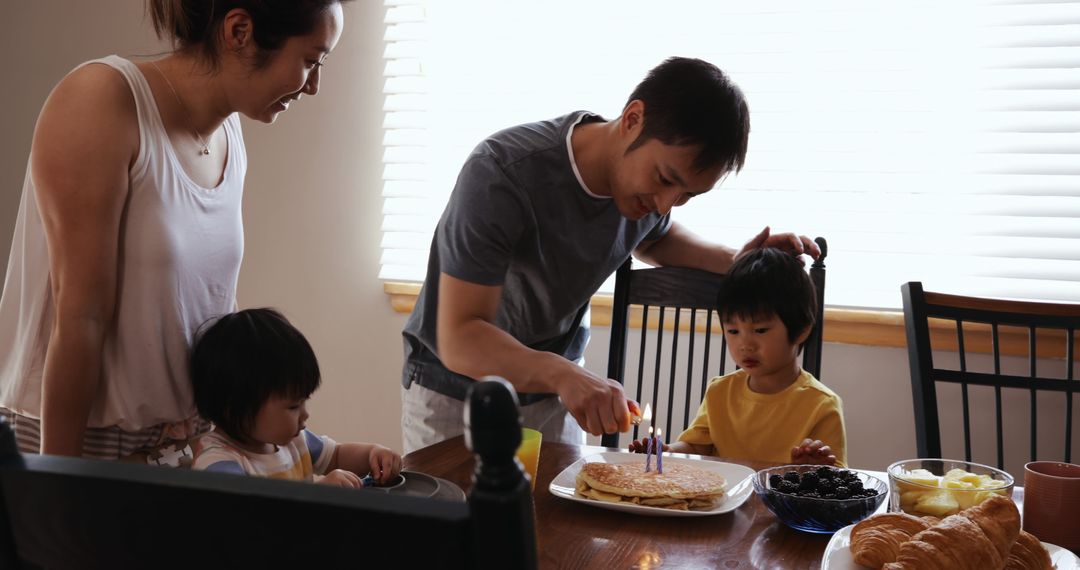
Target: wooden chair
(966,325)
(679,364)
(60,512)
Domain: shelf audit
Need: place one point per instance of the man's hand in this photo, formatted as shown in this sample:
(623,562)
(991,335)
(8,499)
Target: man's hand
(598,404)
(794,244)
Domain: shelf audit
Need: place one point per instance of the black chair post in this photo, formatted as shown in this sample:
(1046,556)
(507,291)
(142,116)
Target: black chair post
(9,458)
(620,309)
(503,529)
(813,345)
(920,360)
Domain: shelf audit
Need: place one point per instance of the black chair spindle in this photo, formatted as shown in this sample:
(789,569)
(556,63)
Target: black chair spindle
(690,366)
(705,365)
(964,388)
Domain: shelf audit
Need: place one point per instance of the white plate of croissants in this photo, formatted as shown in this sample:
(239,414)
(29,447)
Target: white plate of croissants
(984,537)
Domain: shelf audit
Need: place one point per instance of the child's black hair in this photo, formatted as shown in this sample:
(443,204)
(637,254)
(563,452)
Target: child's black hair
(767,282)
(244,358)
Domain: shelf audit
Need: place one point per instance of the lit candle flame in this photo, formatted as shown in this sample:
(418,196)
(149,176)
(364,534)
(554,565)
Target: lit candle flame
(650,431)
(647,416)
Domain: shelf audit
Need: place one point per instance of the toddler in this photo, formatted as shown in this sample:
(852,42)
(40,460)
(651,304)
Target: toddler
(253,373)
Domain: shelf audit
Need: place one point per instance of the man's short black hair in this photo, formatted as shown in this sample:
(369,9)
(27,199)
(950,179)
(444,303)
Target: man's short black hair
(691,102)
(242,360)
(765,282)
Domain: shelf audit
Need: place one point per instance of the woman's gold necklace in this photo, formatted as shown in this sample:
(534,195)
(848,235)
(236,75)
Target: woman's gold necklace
(205,145)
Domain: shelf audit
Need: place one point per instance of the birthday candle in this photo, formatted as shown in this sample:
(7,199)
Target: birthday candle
(659,451)
(648,450)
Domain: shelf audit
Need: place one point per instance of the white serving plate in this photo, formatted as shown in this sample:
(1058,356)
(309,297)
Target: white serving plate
(838,554)
(739,484)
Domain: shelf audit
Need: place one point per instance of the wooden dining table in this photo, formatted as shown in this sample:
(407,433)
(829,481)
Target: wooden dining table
(575,535)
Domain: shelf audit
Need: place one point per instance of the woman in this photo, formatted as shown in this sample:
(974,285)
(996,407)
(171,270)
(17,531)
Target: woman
(129,234)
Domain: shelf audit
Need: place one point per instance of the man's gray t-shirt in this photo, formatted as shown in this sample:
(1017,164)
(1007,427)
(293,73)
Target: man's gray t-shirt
(518,217)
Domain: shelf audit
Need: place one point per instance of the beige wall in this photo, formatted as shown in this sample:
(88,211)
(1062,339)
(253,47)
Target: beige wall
(312,214)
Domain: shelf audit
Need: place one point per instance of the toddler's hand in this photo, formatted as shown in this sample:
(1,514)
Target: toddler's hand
(385,464)
(813,452)
(340,478)
(639,446)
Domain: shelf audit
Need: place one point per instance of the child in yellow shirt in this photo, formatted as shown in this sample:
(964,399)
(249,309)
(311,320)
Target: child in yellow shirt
(770,409)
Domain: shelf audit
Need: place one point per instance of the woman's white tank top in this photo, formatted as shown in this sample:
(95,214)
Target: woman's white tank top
(179,257)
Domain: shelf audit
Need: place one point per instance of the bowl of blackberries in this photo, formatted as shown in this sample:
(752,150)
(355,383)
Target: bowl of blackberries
(817,498)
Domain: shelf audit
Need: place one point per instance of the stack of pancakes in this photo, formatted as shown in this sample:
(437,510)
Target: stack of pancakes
(682,487)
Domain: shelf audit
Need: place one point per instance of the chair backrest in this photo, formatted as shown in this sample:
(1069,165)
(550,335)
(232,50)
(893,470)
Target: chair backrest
(61,512)
(676,362)
(964,326)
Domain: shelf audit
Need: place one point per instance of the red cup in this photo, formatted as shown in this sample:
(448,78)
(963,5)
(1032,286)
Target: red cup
(1052,502)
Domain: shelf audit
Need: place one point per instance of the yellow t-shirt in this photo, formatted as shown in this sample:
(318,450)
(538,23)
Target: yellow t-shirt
(742,424)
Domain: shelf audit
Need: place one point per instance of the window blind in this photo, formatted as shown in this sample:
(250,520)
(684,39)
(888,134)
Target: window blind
(926,140)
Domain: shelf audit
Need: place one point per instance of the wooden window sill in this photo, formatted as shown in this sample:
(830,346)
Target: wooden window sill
(846,326)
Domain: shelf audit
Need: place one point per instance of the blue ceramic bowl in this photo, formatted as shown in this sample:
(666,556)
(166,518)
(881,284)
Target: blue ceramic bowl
(814,514)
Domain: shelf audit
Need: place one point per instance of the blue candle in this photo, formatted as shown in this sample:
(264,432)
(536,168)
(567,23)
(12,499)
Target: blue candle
(648,450)
(659,452)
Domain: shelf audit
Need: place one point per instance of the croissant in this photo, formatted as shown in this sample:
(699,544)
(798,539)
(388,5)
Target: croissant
(978,538)
(999,519)
(876,541)
(1028,554)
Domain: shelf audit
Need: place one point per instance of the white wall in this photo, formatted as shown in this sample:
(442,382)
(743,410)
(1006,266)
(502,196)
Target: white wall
(312,216)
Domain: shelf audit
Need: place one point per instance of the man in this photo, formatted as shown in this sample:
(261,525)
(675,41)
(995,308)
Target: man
(540,216)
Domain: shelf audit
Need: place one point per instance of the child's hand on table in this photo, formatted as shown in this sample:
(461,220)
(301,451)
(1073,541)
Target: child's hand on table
(340,478)
(385,464)
(812,452)
(639,446)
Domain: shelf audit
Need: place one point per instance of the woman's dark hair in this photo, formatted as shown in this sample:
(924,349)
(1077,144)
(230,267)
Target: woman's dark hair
(765,282)
(691,102)
(242,360)
(193,24)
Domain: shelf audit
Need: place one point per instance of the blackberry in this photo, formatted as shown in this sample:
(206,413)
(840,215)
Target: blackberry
(826,487)
(792,476)
(774,481)
(788,487)
(809,481)
(856,486)
(842,492)
(825,472)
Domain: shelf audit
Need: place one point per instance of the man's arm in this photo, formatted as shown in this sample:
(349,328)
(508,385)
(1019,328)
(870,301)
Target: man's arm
(470,344)
(680,247)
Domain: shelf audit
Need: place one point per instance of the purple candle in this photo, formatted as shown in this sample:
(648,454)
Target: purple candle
(648,450)
(659,451)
